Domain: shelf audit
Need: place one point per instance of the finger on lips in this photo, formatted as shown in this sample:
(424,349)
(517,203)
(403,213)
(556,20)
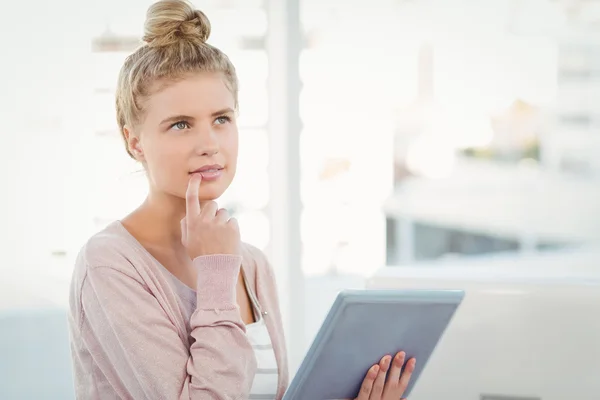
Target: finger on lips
(192,204)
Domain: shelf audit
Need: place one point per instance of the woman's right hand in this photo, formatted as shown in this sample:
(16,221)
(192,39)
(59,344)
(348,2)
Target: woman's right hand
(207,230)
(375,387)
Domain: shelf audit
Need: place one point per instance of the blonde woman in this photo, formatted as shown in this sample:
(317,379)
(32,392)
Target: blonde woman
(167,303)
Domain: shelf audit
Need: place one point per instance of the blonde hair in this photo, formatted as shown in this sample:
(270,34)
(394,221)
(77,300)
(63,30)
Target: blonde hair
(175,36)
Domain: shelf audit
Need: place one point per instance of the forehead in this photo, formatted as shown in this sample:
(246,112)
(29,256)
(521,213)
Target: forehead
(195,95)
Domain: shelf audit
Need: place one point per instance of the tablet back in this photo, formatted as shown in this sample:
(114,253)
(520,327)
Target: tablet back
(363,326)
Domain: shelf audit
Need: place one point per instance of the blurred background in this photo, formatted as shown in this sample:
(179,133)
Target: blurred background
(388,133)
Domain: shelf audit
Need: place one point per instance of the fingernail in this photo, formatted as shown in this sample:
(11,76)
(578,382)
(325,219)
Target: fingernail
(373,372)
(400,359)
(384,363)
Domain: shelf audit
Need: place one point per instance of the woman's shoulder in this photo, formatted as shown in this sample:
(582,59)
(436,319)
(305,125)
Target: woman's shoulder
(107,247)
(106,251)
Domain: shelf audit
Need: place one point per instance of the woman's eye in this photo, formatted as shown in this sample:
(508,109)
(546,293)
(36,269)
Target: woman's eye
(222,120)
(181,125)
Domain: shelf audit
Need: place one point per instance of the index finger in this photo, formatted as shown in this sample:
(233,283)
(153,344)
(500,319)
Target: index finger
(192,204)
(367,385)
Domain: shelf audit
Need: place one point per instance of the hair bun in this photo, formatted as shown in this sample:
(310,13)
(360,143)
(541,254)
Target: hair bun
(170,21)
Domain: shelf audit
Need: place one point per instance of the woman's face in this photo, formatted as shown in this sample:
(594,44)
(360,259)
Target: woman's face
(189,126)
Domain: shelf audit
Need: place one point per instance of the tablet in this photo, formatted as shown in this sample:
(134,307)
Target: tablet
(361,327)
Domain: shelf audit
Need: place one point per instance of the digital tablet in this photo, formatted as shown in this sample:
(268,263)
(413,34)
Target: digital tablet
(361,327)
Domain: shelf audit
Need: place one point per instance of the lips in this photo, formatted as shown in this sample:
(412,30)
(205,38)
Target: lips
(209,172)
(208,168)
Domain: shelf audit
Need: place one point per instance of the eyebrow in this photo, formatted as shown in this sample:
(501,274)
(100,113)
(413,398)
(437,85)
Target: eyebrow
(182,117)
(176,118)
(227,110)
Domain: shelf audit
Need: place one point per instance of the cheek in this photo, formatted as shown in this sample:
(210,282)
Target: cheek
(230,147)
(165,161)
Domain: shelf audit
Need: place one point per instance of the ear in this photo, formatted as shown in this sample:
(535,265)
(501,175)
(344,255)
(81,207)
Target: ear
(133,143)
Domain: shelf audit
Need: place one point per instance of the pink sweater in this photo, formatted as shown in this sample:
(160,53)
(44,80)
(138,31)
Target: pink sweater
(131,339)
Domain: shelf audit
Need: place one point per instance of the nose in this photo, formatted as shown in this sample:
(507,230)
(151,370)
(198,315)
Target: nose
(207,143)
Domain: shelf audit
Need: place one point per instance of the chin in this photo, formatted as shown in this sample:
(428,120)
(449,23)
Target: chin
(208,197)
(212,192)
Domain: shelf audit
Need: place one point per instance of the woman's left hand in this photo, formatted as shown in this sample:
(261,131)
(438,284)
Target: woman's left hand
(377,388)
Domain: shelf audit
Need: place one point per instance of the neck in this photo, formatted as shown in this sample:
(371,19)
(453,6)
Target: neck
(159,218)
(164,212)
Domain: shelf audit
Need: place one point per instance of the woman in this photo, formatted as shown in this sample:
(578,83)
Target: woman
(167,303)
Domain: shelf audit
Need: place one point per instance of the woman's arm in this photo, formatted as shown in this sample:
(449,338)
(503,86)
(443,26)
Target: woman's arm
(138,348)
